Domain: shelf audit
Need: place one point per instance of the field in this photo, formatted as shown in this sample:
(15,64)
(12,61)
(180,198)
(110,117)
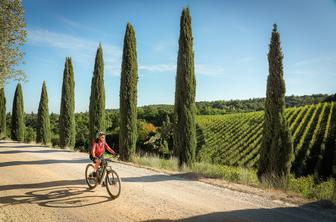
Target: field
(235,139)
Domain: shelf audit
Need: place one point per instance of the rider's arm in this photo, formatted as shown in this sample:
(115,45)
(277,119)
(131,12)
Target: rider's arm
(93,149)
(110,149)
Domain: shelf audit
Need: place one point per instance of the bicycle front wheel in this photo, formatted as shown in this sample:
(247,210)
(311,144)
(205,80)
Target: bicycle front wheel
(113,184)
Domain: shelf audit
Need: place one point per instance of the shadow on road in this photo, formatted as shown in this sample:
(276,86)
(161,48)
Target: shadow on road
(307,212)
(19,145)
(31,151)
(56,194)
(151,178)
(23,148)
(42,185)
(39,162)
(161,177)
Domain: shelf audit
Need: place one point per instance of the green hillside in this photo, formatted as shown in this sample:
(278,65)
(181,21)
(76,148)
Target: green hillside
(235,139)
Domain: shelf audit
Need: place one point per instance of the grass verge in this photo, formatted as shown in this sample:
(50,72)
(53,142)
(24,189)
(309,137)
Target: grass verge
(304,186)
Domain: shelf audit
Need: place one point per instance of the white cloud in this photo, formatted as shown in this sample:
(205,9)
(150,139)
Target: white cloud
(209,70)
(202,69)
(158,68)
(75,25)
(42,37)
(164,46)
(83,50)
(247,59)
(80,49)
(319,66)
(330,60)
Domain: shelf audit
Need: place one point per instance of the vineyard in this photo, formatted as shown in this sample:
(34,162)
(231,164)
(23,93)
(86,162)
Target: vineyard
(235,139)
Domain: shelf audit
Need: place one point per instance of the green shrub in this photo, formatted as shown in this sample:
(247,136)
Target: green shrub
(55,140)
(325,190)
(302,185)
(233,174)
(310,189)
(156,162)
(30,135)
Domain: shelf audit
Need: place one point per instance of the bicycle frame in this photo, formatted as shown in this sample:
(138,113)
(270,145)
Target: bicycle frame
(105,167)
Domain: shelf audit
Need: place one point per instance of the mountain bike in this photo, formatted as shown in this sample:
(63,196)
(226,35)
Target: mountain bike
(106,175)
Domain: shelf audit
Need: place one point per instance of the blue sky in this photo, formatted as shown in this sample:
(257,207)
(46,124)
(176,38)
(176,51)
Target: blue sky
(230,42)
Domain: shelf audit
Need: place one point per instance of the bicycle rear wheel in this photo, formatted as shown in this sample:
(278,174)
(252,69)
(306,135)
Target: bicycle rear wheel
(113,184)
(89,178)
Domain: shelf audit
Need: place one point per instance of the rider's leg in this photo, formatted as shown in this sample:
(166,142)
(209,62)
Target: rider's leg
(97,164)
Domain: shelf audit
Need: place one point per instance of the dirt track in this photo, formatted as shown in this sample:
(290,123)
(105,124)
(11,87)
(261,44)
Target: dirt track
(43,184)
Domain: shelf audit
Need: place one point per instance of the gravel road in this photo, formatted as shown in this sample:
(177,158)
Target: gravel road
(44,184)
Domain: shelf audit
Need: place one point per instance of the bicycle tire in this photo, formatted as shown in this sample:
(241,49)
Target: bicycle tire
(116,181)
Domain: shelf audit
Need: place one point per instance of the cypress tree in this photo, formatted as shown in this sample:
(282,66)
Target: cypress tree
(67,116)
(128,96)
(2,113)
(43,122)
(97,98)
(17,123)
(276,153)
(184,134)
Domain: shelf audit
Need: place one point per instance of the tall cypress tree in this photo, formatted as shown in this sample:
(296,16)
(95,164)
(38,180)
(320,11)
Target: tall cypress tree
(43,122)
(128,96)
(97,98)
(185,109)
(276,153)
(67,116)
(17,123)
(2,113)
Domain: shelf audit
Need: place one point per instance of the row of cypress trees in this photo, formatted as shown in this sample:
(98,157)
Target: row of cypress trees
(185,92)
(18,117)
(276,152)
(128,103)
(128,96)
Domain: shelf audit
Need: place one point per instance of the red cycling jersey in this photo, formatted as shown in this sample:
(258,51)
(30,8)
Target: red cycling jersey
(99,148)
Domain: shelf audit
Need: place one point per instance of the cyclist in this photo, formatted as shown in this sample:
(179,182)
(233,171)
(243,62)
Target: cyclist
(98,148)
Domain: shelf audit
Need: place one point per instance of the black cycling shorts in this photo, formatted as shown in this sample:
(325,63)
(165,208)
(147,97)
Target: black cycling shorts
(94,159)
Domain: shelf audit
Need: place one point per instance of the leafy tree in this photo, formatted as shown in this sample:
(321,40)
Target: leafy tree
(112,117)
(12,37)
(30,134)
(2,113)
(185,108)
(54,127)
(97,98)
(17,123)
(43,122)
(82,131)
(276,153)
(128,96)
(67,117)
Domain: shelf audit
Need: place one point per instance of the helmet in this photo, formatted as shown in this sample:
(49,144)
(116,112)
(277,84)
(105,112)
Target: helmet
(99,134)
